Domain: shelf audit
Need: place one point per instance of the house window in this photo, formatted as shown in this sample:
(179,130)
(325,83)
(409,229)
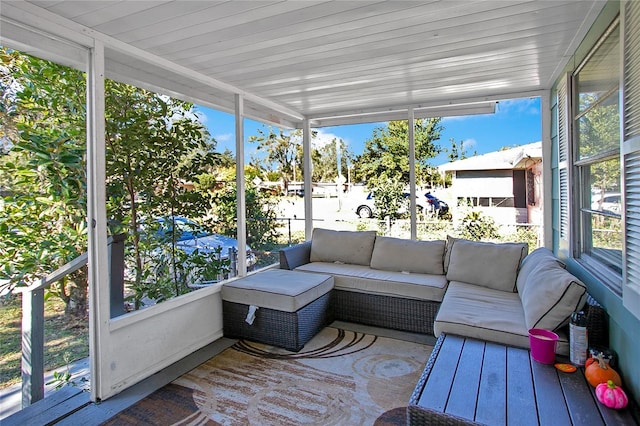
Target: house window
(596,156)
(502,202)
(487,201)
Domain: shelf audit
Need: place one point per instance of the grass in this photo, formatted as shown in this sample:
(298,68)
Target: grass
(66,339)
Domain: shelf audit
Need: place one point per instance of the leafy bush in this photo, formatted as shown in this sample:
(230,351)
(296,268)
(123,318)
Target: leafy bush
(260,209)
(525,234)
(361,226)
(388,198)
(175,271)
(436,229)
(479,227)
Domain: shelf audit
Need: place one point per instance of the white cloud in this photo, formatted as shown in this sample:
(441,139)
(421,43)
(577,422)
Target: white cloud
(224,137)
(321,139)
(201,116)
(469,143)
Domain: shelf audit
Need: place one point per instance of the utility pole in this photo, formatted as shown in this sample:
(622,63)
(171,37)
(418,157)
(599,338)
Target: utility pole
(339,177)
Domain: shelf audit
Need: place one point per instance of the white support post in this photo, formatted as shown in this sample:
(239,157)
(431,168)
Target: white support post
(99,312)
(240,188)
(412,173)
(308,172)
(547,177)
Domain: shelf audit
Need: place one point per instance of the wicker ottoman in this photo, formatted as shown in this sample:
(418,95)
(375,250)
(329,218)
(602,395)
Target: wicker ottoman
(291,307)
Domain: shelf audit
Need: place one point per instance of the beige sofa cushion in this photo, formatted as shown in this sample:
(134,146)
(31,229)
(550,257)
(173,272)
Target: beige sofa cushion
(364,279)
(486,314)
(277,289)
(395,254)
(531,261)
(486,264)
(482,313)
(342,246)
(549,296)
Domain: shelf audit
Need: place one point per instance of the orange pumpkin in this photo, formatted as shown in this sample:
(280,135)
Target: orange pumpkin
(597,371)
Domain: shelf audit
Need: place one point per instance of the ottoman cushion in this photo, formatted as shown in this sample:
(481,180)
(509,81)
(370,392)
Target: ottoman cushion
(278,289)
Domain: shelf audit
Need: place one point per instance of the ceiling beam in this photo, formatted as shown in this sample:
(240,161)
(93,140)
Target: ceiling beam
(401,114)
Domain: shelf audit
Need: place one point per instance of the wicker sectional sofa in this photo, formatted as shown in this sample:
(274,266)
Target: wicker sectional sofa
(487,291)
(378,281)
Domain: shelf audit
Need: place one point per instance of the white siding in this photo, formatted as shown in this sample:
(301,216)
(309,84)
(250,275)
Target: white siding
(497,183)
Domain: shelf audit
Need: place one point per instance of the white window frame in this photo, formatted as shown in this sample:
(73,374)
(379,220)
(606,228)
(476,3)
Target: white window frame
(630,153)
(571,190)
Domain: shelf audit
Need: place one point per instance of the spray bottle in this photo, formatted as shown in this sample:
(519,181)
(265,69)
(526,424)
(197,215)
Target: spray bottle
(578,340)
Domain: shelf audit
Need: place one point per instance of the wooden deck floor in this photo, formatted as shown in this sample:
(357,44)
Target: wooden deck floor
(71,406)
(11,397)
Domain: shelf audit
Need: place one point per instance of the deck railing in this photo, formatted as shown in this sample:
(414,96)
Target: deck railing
(33,315)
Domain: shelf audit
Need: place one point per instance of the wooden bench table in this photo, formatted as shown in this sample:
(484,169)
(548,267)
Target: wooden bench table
(468,381)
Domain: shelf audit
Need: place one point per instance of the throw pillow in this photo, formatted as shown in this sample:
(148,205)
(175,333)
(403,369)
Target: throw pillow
(354,247)
(489,265)
(531,261)
(550,295)
(395,254)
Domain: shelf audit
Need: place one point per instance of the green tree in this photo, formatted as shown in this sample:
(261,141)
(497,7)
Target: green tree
(9,63)
(284,151)
(155,147)
(384,164)
(600,133)
(43,221)
(227,159)
(457,150)
(325,161)
(431,177)
(281,151)
(386,154)
(155,144)
(388,198)
(261,211)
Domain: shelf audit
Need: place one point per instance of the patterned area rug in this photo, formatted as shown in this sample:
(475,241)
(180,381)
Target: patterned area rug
(339,378)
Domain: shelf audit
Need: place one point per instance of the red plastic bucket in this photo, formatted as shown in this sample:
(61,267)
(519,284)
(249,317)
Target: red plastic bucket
(543,345)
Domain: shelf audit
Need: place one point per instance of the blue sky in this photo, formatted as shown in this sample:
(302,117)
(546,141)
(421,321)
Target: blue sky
(516,122)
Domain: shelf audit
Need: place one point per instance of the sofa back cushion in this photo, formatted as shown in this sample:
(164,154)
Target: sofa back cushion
(395,254)
(489,265)
(531,261)
(550,294)
(353,247)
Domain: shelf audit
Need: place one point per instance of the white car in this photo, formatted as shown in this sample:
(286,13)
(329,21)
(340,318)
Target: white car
(427,203)
(610,202)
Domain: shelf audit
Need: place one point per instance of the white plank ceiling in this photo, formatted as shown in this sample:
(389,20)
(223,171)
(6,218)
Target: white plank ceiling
(320,59)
